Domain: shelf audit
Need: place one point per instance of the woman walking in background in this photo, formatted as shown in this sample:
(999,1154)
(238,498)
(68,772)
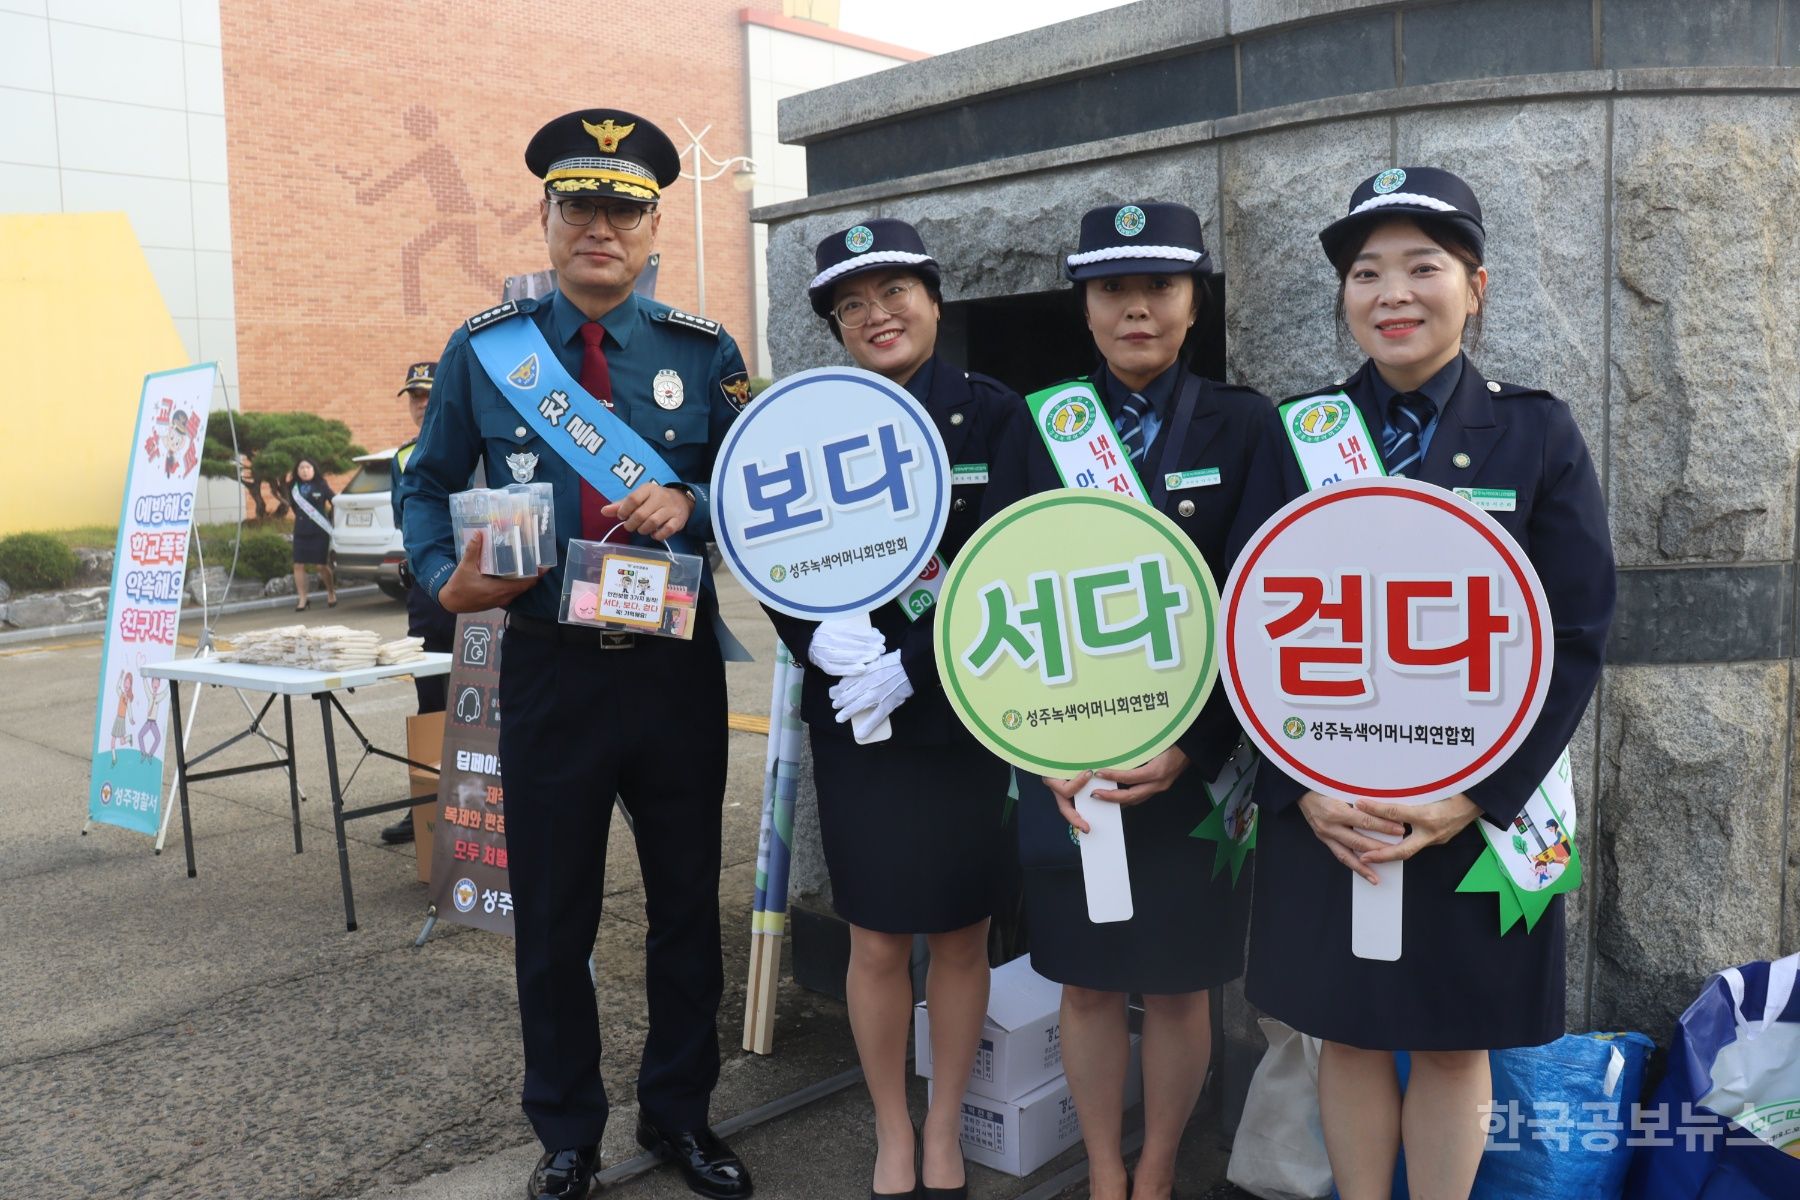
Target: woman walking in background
(312,530)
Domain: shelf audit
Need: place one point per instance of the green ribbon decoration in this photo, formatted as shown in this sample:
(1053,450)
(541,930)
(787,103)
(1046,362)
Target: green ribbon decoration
(1489,874)
(1230,850)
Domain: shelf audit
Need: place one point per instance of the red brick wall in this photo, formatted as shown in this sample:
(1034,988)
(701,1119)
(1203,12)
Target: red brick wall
(378,187)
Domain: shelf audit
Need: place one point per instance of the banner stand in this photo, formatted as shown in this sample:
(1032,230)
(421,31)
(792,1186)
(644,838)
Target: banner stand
(204,648)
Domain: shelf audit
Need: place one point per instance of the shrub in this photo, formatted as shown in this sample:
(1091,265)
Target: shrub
(264,554)
(30,561)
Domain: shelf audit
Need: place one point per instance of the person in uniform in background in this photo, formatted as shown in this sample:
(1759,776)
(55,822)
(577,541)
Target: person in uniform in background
(913,826)
(591,713)
(425,617)
(312,497)
(1138,274)
(1411,282)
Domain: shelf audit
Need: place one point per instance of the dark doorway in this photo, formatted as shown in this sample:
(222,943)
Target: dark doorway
(1031,341)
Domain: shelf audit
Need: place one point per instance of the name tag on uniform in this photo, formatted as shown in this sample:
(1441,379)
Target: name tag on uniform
(1177,481)
(1490,499)
(969,473)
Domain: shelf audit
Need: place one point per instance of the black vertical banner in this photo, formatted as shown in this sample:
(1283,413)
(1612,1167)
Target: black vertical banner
(469,882)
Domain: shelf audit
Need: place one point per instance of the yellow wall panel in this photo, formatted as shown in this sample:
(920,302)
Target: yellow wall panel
(81,324)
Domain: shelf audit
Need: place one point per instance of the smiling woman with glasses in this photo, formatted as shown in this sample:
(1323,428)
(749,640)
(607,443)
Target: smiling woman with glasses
(891,296)
(913,827)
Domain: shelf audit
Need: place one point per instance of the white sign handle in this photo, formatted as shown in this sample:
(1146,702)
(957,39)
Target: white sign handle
(860,623)
(1375,912)
(1104,872)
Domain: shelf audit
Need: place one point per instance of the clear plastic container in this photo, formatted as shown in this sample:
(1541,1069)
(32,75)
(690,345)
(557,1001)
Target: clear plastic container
(517,524)
(634,589)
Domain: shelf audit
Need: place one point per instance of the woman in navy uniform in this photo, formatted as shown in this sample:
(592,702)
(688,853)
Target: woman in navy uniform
(1411,281)
(312,541)
(912,826)
(1138,274)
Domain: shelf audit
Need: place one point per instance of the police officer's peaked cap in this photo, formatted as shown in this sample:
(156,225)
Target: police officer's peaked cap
(418,377)
(872,245)
(603,152)
(1430,193)
(1143,238)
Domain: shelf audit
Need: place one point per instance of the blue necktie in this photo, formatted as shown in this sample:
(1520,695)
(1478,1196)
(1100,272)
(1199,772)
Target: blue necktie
(1131,425)
(1401,447)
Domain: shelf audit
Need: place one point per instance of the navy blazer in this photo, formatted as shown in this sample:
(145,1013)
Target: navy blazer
(1517,438)
(1222,433)
(968,411)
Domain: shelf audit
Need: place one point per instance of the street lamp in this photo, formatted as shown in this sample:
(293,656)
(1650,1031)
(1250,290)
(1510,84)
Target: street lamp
(743,179)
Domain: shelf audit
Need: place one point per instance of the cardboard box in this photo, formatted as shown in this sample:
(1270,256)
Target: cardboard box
(424,743)
(1021,1040)
(1019,1136)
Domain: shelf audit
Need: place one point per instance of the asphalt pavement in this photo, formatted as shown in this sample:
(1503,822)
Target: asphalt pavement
(165,1037)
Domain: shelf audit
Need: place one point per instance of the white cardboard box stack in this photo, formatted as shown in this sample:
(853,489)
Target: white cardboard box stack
(1016,1111)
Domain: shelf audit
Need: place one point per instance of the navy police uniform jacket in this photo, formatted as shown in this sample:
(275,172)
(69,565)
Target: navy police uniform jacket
(1459,984)
(1524,440)
(469,421)
(1221,434)
(969,411)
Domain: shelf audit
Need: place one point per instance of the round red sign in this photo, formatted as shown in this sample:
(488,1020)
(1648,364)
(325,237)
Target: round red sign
(1386,640)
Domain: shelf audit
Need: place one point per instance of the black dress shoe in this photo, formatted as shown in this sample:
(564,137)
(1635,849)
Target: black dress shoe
(564,1174)
(960,1192)
(704,1160)
(400,832)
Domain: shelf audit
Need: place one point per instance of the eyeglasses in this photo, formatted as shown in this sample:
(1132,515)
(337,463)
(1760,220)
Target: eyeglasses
(895,298)
(577,210)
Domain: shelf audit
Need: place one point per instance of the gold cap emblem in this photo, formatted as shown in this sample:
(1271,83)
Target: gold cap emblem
(608,134)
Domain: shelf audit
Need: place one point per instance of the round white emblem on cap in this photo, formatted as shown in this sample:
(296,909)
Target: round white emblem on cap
(859,239)
(1129,221)
(1390,180)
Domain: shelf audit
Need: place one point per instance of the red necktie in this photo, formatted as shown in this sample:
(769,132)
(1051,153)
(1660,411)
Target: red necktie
(597,380)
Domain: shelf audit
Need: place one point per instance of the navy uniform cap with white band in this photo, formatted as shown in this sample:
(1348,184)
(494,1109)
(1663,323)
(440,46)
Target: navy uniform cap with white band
(1428,193)
(872,245)
(603,152)
(1145,238)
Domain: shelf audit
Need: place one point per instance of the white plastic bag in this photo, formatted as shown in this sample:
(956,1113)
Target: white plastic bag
(1756,1079)
(1279,1152)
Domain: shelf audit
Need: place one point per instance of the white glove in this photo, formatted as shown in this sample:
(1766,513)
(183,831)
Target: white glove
(840,650)
(868,699)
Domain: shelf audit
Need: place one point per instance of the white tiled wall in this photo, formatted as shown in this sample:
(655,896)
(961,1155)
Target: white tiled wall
(783,64)
(119,105)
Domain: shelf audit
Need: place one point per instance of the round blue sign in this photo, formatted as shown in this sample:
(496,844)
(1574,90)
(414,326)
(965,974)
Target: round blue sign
(830,493)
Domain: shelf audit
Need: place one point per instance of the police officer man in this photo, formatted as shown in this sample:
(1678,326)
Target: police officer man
(590,713)
(425,617)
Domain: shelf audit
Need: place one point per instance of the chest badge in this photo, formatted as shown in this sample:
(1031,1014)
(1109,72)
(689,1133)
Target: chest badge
(1460,460)
(667,390)
(523,466)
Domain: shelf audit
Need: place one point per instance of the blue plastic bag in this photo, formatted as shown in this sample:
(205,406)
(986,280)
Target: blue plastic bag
(1560,1120)
(1736,1052)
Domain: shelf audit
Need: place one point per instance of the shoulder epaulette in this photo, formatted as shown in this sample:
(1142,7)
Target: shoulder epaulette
(674,316)
(1498,388)
(492,316)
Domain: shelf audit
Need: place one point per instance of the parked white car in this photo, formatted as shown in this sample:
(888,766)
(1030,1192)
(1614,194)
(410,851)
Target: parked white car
(364,542)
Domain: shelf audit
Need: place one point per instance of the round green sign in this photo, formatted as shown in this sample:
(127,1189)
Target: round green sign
(1075,631)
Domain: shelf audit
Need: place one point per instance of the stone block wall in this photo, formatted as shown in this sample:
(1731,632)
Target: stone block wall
(1643,248)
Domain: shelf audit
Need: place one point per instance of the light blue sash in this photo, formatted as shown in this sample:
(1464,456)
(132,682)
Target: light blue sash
(609,454)
(606,452)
